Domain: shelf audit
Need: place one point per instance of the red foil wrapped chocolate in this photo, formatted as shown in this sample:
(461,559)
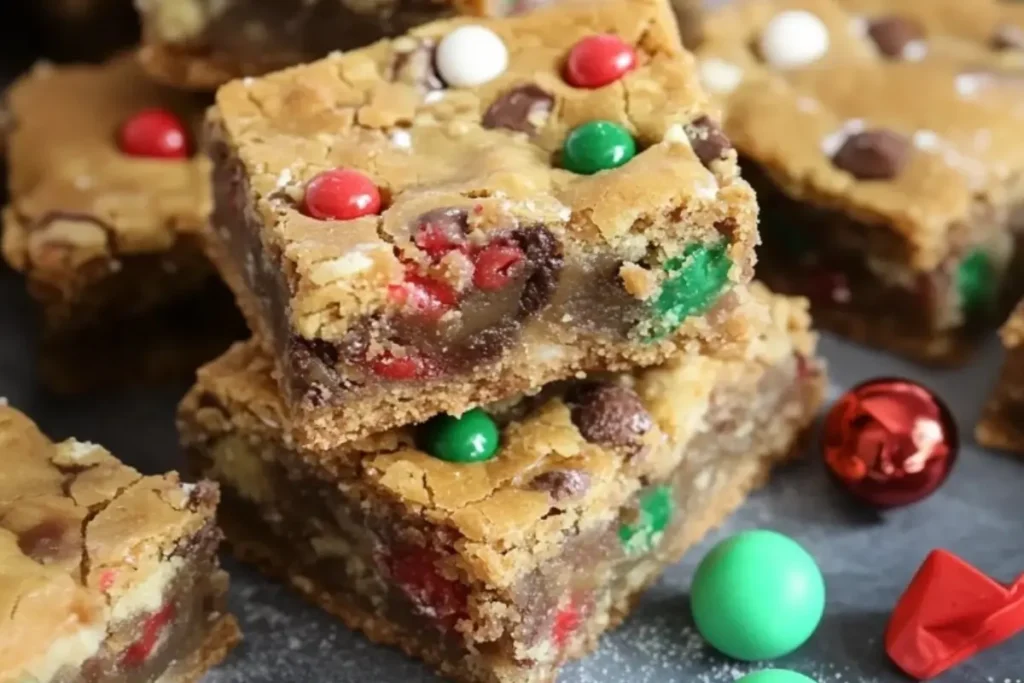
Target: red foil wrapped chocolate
(949,612)
(890,442)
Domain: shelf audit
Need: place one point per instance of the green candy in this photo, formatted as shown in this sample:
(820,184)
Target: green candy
(757,595)
(976,282)
(473,437)
(775,676)
(695,280)
(656,509)
(597,146)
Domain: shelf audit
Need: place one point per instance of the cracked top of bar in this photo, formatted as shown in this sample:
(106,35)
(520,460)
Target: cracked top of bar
(384,111)
(555,452)
(905,114)
(74,194)
(84,541)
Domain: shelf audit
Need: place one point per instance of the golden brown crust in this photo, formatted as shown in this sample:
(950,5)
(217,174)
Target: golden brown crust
(84,540)
(80,208)
(958,112)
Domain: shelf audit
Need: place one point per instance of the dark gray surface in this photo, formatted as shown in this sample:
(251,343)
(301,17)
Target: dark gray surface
(867,558)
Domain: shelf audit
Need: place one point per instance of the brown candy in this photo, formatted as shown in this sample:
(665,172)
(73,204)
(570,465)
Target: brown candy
(44,541)
(524,108)
(610,415)
(707,139)
(877,154)
(892,34)
(1008,37)
(562,484)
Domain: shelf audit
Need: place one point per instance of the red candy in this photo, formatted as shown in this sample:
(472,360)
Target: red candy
(152,628)
(390,366)
(414,570)
(567,620)
(423,296)
(341,194)
(107,578)
(154,133)
(598,60)
(496,265)
(949,612)
(437,239)
(890,442)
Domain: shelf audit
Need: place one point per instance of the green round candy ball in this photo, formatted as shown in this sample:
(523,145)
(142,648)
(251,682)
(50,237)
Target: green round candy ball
(473,437)
(775,676)
(976,282)
(693,283)
(597,146)
(757,595)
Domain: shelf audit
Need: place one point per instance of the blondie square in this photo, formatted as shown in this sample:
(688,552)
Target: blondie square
(500,570)
(102,231)
(883,139)
(201,44)
(105,574)
(471,210)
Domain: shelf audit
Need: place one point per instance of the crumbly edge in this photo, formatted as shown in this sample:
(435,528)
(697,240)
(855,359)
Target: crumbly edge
(1002,421)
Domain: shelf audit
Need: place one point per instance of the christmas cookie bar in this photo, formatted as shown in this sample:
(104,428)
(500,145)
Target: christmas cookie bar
(201,44)
(105,574)
(107,197)
(883,140)
(498,545)
(475,209)
(1002,423)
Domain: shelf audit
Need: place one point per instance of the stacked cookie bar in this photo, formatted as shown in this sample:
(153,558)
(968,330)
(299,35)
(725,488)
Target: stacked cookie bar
(507,361)
(883,141)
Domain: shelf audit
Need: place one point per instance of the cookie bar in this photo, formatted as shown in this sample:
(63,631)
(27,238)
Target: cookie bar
(105,574)
(883,141)
(409,240)
(1002,422)
(504,568)
(107,199)
(201,44)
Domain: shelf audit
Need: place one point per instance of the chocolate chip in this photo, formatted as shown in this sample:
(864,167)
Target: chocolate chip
(610,415)
(873,154)
(544,261)
(562,484)
(892,34)
(727,227)
(707,139)
(415,67)
(1008,37)
(524,109)
(43,541)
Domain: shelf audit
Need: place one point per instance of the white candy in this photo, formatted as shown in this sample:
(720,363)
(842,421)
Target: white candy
(794,38)
(719,76)
(469,56)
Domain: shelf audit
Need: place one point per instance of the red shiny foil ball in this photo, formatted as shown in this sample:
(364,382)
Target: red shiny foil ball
(890,442)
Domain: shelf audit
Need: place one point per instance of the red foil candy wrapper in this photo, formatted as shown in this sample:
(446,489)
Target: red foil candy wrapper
(890,442)
(950,612)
